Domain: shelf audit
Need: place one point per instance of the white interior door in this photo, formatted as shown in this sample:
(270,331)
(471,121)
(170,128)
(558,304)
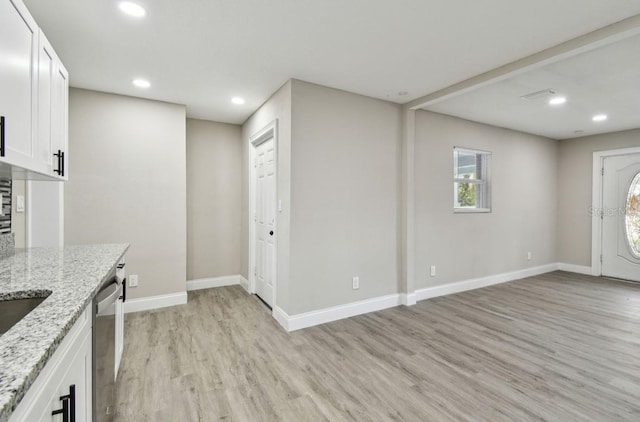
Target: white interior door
(265,219)
(621,217)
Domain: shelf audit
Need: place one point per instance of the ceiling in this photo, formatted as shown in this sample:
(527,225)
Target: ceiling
(201,53)
(605,80)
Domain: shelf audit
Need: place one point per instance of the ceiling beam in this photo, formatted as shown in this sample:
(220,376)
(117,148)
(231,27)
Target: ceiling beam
(607,35)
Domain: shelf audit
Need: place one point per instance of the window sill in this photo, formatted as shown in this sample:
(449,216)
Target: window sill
(471,210)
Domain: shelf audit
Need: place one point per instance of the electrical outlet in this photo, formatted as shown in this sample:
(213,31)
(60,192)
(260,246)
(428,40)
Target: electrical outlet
(528,256)
(356,283)
(133,281)
(433,271)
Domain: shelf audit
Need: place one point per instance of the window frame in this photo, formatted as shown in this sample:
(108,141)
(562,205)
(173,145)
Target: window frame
(484,180)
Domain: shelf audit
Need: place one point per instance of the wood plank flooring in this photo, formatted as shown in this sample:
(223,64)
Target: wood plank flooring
(557,347)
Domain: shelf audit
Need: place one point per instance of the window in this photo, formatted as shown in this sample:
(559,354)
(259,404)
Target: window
(471,184)
(632,216)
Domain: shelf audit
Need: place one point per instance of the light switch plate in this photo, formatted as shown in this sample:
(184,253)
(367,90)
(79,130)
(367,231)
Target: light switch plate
(20,203)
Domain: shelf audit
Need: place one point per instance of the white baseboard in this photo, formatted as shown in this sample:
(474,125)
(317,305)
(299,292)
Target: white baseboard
(282,317)
(211,282)
(572,268)
(476,283)
(244,283)
(322,316)
(155,302)
(408,299)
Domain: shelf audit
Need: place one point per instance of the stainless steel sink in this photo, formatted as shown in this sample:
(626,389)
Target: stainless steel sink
(13,310)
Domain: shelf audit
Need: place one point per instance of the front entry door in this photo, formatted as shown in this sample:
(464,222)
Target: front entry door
(621,217)
(265,220)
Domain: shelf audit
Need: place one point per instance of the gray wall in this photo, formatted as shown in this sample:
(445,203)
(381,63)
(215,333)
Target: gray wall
(277,107)
(524,202)
(344,197)
(127,183)
(18,220)
(574,191)
(214,199)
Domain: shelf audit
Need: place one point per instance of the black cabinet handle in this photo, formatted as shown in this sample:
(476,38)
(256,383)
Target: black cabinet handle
(2,136)
(121,266)
(124,290)
(60,170)
(271,232)
(64,411)
(70,400)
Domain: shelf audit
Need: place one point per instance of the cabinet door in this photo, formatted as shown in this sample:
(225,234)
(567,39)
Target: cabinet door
(73,369)
(18,46)
(46,68)
(53,94)
(60,120)
(78,374)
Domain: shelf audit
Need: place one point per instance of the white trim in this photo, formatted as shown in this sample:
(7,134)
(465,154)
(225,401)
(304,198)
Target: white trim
(476,283)
(572,268)
(211,282)
(244,283)
(408,299)
(282,317)
(334,313)
(264,134)
(155,302)
(596,203)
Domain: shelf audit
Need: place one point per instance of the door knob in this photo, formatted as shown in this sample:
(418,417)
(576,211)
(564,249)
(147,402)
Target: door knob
(271,232)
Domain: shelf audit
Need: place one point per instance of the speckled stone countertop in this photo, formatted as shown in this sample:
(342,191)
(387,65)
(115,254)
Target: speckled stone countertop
(71,277)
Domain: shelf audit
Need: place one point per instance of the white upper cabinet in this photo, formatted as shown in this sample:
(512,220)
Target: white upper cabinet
(53,93)
(34,101)
(18,47)
(60,120)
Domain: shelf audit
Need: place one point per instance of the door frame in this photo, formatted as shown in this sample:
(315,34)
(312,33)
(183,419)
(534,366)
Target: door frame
(264,134)
(597,205)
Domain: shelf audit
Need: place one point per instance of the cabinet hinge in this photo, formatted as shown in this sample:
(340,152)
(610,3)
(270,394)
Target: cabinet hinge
(601,258)
(603,171)
(255,272)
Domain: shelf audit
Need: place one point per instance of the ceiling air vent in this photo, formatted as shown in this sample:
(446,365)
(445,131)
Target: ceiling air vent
(539,95)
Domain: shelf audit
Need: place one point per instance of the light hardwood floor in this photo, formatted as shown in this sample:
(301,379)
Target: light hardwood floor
(557,347)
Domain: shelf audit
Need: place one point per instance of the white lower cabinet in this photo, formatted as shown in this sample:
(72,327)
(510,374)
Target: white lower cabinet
(64,387)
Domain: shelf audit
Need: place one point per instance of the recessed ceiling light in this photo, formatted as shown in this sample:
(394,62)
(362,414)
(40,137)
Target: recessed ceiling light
(557,100)
(599,118)
(141,83)
(237,100)
(132,9)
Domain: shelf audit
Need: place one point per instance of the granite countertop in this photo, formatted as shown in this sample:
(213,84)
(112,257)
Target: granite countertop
(71,277)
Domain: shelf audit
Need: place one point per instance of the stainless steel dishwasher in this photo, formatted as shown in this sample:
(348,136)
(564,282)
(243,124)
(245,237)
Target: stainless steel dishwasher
(104,337)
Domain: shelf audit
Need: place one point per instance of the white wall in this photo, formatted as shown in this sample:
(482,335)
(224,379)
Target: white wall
(574,191)
(344,197)
(45,214)
(214,199)
(127,183)
(524,202)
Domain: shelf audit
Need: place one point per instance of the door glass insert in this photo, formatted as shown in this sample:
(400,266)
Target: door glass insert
(632,216)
